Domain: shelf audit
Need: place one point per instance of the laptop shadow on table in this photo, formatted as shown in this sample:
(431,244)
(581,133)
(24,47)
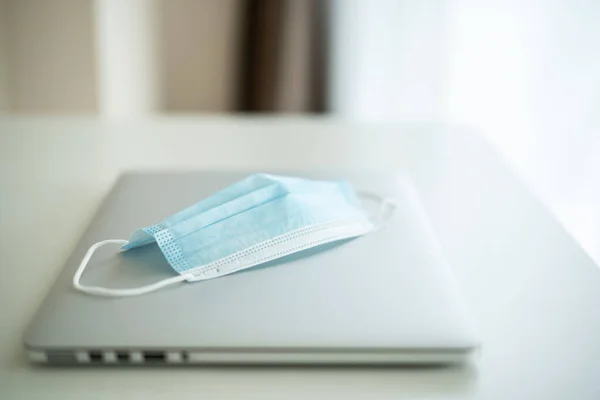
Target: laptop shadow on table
(432,380)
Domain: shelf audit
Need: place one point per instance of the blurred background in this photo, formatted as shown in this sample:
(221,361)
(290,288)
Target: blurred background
(525,74)
(486,61)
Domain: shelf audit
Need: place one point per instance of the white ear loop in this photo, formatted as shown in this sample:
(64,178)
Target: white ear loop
(387,206)
(97,290)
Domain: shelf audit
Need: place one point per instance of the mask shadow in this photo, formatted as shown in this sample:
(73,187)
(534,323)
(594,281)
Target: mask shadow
(295,257)
(149,260)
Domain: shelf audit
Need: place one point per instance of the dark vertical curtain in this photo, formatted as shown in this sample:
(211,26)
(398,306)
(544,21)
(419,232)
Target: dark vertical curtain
(320,49)
(267,80)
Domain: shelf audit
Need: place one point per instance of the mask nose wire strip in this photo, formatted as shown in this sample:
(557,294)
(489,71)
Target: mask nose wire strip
(387,206)
(117,292)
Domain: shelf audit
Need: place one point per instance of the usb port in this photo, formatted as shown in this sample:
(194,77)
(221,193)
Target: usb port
(61,357)
(154,356)
(122,356)
(95,356)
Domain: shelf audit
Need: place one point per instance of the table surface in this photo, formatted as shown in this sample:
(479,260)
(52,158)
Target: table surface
(533,292)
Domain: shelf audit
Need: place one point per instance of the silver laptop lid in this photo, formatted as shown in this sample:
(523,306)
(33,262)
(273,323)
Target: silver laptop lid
(390,290)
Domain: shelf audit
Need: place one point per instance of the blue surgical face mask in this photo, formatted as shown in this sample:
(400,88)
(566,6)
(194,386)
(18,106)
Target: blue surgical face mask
(256,220)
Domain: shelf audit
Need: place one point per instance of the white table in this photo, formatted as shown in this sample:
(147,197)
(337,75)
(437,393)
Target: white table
(535,295)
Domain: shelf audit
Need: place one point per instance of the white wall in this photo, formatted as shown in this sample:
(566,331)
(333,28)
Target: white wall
(527,74)
(387,58)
